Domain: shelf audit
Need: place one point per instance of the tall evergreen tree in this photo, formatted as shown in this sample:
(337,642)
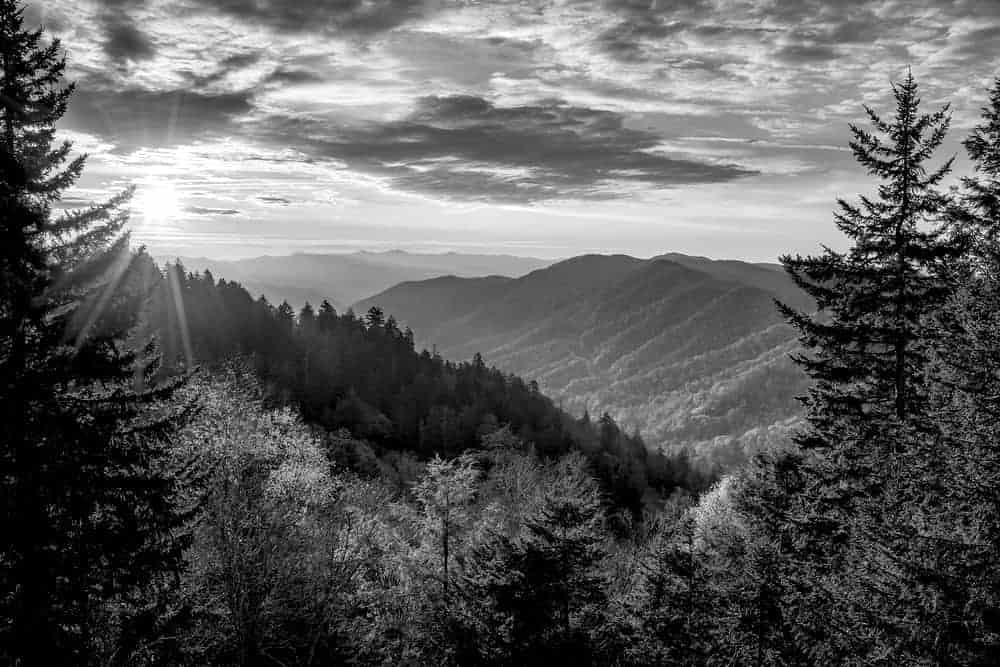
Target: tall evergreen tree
(867,352)
(87,517)
(874,299)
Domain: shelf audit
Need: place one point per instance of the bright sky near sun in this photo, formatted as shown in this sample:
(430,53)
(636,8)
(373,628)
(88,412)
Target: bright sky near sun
(533,127)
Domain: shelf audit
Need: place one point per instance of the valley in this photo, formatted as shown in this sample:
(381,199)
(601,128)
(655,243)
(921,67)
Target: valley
(690,351)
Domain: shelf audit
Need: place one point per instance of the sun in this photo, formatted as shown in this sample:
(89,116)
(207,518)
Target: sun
(156,201)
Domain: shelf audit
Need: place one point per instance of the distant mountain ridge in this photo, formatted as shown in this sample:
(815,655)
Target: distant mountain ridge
(345,278)
(690,350)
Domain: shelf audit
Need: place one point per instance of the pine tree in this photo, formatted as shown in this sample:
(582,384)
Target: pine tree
(327,316)
(868,354)
(538,597)
(86,497)
(307,319)
(286,316)
(375,317)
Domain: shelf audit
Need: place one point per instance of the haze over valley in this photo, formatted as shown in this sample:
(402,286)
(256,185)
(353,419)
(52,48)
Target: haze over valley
(348,277)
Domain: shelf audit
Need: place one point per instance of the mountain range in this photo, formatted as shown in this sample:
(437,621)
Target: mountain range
(689,350)
(345,278)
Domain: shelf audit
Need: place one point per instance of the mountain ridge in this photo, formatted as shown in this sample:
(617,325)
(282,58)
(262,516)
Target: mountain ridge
(674,347)
(343,278)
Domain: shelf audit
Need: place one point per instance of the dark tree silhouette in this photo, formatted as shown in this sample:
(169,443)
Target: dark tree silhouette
(868,351)
(85,501)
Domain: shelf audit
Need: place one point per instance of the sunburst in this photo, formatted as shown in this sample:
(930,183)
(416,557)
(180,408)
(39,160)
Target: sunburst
(157,202)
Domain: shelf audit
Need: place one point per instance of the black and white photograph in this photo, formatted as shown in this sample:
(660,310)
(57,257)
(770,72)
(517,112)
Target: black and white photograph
(624,333)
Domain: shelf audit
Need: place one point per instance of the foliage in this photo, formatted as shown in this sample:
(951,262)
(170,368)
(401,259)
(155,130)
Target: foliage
(276,564)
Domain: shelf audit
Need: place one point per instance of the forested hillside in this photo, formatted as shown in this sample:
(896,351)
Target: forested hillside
(364,375)
(690,351)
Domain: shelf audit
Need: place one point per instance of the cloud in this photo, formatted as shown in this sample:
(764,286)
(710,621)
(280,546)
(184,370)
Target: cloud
(627,40)
(465,147)
(134,117)
(861,29)
(643,24)
(789,32)
(42,14)
(345,16)
(462,60)
(293,75)
(980,42)
(804,53)
(124,40)
(202,210)
(229,65)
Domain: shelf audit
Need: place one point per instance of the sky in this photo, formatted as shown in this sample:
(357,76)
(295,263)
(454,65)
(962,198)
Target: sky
(547,128)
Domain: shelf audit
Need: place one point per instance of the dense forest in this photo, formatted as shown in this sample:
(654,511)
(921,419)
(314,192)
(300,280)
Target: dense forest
(192,476)
(363,375)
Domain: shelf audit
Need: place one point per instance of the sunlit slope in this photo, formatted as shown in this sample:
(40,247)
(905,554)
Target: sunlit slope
(692,354)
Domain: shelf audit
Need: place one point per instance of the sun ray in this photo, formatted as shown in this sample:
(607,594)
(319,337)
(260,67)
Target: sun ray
(114,277)
(178,298)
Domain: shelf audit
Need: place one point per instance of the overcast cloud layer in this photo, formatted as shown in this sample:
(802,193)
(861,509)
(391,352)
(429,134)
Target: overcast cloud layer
(545,127)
